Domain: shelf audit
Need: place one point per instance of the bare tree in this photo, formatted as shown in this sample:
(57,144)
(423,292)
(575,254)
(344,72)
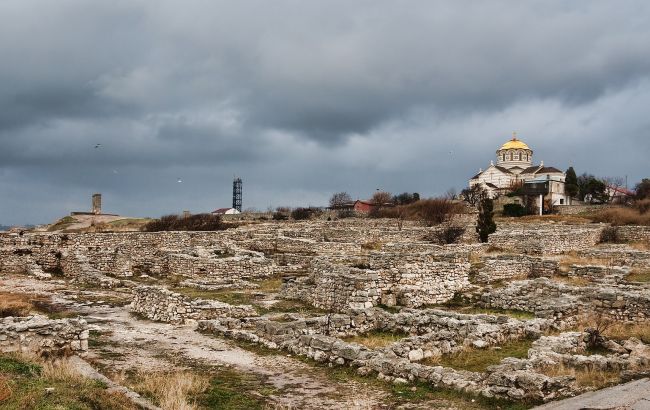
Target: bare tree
(613,186)
(339,199)
(451,194)
(473,195)
(382,198)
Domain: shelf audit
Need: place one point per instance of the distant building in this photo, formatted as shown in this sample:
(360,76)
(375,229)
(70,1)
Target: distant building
(514,167)
(360,205)
(225,211)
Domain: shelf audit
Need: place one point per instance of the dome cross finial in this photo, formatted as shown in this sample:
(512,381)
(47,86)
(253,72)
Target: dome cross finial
(514,135)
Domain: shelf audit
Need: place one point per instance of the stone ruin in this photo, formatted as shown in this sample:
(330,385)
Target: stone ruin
(362,276)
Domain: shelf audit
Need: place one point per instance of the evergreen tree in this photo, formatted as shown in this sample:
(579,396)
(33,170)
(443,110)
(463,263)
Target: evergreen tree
(485,224)
(571,183)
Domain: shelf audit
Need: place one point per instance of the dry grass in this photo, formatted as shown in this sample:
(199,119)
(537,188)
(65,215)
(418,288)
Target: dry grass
(587,377)
(272,284)
(572,258)
(640,246)
(376,339)
(572,280)
(25,380)
(622,216)
(24,304)
(171,391)
(638,275)
(372,246)
(566,219)
(615,330)
(478,360)
(14,304)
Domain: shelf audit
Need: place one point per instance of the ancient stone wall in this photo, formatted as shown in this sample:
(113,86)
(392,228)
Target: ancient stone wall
(547,298)
(160,304)
(633,233)
(494,268)
(545,240)
(42,336)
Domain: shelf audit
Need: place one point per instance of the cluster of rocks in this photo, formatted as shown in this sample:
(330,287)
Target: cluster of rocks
(160,304)
(43,336)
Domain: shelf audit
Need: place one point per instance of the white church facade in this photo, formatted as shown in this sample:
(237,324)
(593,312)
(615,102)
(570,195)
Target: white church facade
(514,167)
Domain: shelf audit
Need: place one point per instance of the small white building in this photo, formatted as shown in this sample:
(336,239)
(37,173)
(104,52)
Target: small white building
(514,166)
(225,211)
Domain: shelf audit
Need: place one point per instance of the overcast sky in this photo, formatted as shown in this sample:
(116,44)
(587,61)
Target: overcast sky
(306,98)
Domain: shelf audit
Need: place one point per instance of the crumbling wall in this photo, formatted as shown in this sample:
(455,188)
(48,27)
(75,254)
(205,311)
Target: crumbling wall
(545,240)
(160,304)
(44,337)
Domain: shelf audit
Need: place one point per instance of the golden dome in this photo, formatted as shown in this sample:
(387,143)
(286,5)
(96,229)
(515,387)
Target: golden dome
(514,143)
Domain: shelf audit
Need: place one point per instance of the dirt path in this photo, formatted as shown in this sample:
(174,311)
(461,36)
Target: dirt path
(131,344)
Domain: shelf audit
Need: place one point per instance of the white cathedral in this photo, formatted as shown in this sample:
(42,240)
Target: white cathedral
(515,167)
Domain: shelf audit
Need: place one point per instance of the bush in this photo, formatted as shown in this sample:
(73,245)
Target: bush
(300,214)
(515,210)
(199,222)
(280,216)
(434,211)
(345,213)
(642,205)
(485,224)
(609,235)
(305,213)
(448,235)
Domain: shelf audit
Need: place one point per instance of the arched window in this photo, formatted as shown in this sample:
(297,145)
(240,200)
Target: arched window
(510,156)
(503,157)
(518,156)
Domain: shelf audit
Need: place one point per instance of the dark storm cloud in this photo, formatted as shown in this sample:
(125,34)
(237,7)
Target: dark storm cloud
(305,98)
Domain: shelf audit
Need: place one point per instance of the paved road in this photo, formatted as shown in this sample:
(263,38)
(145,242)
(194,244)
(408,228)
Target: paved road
(634,395)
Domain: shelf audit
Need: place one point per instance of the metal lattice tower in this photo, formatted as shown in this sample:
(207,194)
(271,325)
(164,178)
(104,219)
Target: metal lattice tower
(236,194)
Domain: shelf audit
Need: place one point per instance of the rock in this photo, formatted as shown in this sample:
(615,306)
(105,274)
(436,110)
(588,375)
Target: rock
(480,344)
(416,355)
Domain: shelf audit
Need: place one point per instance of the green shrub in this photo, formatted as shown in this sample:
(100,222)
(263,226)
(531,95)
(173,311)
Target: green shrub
(199,222)
(515,210)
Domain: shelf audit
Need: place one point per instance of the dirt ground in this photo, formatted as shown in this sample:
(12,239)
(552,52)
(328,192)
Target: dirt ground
(123,344)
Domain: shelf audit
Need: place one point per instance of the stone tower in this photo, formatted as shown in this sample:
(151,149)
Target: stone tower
(97,204)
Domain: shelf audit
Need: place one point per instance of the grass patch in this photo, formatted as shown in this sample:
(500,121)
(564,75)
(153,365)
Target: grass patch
(230,389)
(24,304)
(640,246)
(23,384)
(290,306)
(638,275)
(572,258)
(62,223)
(171,390)
(572,280)
(272,284)
(376,339)
(586,377)
(476,360)
(461,305)
(615,330)
(226,296)
(372,246)
(412,393)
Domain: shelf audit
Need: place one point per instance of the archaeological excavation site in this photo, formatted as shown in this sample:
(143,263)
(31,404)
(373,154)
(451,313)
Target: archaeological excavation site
(354,313)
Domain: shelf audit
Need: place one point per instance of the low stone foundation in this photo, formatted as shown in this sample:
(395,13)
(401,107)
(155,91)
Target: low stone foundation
(160,304)
(42,336)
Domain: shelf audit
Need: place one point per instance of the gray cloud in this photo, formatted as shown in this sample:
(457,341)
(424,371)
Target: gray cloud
(305,98)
